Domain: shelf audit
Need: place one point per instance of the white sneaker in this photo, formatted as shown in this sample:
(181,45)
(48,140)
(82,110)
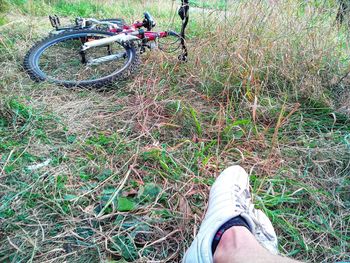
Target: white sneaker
(230,197)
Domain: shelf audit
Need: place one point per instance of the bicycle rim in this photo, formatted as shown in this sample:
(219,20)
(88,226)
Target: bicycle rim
(60,60)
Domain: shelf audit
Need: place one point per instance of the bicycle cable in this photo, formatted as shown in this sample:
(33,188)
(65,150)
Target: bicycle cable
(163,43)
(183,12)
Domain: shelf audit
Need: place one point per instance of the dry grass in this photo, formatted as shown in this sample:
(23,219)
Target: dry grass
(130,168)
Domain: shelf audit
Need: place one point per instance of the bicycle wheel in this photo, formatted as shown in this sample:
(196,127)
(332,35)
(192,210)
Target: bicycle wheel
(119,21)
(58,60)
(70,28)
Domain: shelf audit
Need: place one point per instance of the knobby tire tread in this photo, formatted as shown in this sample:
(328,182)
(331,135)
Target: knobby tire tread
(129,72)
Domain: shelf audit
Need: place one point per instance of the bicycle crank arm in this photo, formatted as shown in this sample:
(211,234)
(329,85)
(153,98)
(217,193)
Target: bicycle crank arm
(100,60)
(121,38)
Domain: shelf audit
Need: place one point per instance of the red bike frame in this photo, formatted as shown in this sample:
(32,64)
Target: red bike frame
(148,35)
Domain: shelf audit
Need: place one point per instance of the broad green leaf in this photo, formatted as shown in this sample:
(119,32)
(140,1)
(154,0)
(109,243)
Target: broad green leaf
(125,204)
(69,197)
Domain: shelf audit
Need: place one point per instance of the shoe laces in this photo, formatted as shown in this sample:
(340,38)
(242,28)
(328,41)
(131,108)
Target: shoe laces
(244,204)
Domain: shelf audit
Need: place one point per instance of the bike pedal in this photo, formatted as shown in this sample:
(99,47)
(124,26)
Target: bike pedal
(55,21)
(182,58)
(142,49)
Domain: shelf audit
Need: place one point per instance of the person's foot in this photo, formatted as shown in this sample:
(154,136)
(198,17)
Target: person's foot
(229,198)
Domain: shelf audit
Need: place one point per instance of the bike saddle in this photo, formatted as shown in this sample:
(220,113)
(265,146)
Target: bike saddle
(148,22)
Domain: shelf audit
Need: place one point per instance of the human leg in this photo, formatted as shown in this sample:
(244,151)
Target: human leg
(238,245)
(230,208)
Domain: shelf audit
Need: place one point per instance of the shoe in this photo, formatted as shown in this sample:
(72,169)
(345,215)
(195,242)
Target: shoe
(230,197)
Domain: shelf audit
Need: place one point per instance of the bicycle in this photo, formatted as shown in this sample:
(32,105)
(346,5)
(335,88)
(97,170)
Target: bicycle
(96,53)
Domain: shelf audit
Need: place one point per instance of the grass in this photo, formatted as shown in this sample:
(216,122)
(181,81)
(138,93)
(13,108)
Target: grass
(220,4)
(123,174)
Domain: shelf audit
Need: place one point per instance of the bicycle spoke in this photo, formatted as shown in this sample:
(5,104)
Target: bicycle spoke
(63,61)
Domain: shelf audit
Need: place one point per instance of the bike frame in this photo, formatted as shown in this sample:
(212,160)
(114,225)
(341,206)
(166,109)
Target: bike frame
(148,35)
(128,34)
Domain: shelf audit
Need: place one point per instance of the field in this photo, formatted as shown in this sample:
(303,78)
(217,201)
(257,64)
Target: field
(123,174)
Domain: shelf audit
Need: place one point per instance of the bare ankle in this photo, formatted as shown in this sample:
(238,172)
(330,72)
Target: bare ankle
(231,244)
(238,245)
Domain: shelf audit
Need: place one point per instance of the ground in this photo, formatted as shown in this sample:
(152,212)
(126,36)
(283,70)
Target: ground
(123,174)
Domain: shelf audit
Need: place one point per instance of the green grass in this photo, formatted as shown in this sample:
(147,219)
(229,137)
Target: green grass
(89,176)
(220,4)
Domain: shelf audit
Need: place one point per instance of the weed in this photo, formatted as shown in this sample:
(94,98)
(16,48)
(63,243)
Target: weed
(220,4)
(83,9)
(124,174)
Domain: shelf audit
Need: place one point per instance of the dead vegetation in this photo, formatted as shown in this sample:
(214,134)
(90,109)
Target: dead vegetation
(130,167)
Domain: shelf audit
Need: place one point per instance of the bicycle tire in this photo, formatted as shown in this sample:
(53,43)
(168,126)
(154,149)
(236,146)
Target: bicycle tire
(70,28)
(119,21)
(32,58)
